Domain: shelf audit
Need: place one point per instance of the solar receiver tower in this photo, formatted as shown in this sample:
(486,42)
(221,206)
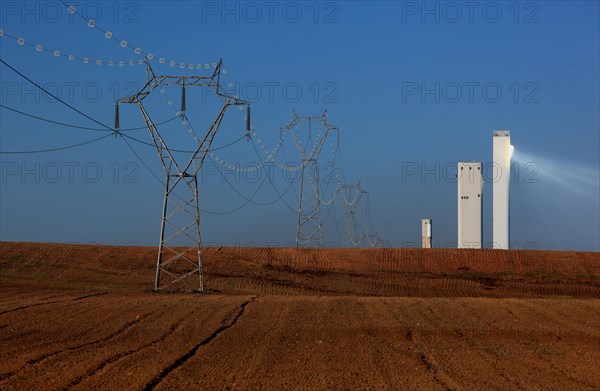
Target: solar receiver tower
(426,233)
(501,219)
(470,203)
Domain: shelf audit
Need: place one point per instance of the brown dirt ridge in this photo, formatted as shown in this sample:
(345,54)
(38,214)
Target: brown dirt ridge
(84,317)
(321,272)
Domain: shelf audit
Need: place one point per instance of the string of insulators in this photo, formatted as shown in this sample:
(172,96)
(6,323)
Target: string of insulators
(248,119)
(116,115)
(183,98)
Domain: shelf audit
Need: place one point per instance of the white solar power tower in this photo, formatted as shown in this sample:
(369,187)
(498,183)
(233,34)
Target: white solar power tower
(470,205)
(501,212)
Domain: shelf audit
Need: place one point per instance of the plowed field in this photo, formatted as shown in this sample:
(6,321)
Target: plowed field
(83,317)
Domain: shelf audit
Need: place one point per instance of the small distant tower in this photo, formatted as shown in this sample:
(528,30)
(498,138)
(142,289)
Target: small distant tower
(470,202)
(426,233)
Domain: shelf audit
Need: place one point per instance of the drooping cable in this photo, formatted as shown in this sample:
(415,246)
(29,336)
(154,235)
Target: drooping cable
(54,149)
(137,140)
(76,126)
(271,182)
(108,128)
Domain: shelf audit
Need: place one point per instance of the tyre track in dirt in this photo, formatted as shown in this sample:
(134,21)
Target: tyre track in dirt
(134,370)
(127,326)
(24,326)
(116,357)
(437,375)
(457,328)
(11,297)
(432,353)
(486,336)
(26,333)
(36,360)
(411,336)
(480,335)
(24,307)
(185,357)
(307,343)
(390,353)
(544,343)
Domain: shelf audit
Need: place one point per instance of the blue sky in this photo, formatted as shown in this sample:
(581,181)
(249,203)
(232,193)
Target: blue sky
(409,84)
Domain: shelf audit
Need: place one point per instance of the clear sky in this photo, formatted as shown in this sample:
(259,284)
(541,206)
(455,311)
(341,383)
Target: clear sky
(414,87)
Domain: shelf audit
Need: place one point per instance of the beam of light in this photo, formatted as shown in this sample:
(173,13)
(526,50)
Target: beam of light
(511,151)
(564,200)
(564,177)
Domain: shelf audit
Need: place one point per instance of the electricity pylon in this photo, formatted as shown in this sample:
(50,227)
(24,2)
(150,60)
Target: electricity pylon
(309,231)
(180,223)
(351,197)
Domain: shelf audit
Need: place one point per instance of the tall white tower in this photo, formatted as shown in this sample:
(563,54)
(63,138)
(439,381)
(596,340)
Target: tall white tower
(501,218)
(470,202)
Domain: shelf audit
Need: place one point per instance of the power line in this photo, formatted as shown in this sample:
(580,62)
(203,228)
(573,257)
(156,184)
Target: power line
(124,138)
(182,150)
(120,130)
(56,97)
(76,126)
(252,197)
(243,196)
(286,159)
(71,57)
(55,149)
(125,44)
(271,182)
(248,200)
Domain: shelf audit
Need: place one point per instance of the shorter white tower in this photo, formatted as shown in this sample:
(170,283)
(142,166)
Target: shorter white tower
(470,205)
(426,233)
(501,157)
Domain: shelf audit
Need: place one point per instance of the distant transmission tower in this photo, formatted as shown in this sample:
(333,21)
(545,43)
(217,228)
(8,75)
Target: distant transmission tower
(372,239)
(179,265)
(309,231)
(351,199)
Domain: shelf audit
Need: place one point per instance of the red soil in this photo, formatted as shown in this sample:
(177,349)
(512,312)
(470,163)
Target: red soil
(83,317)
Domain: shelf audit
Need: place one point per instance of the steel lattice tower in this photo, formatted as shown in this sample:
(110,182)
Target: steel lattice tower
(354,197)
(181,266)
(309,231)
(351,204)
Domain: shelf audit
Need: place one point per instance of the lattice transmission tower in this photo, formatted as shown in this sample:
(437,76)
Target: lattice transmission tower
(309,231)
(350,196)
(355,198)
(179,262)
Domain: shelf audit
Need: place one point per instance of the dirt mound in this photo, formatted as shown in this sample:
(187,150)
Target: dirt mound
(290,271)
